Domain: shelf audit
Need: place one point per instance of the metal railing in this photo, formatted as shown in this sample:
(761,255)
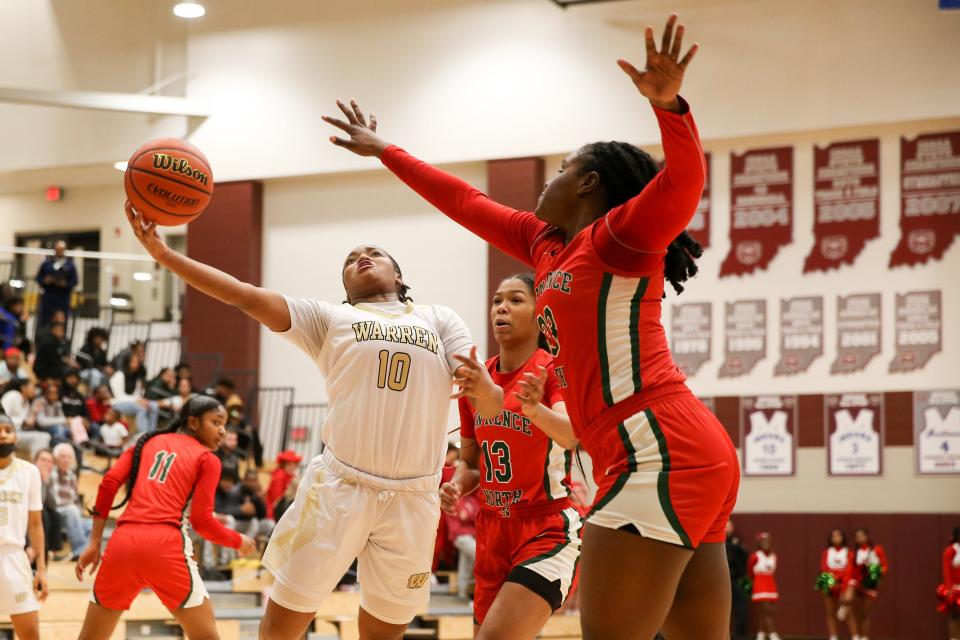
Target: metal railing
(267,405)
(302,426)
(162,353)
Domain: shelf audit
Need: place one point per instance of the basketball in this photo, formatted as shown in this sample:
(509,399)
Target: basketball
(168,181)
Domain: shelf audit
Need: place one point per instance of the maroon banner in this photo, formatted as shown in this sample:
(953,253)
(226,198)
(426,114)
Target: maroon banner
(768,440)
(761,208)
(801,334)
(930,197)
(745,342)
(858,332)
(691,335)
(854,423)
(846,202)
(919,333)
(699,226)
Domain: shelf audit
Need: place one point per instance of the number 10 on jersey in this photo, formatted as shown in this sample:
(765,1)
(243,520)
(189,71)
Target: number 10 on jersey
(394,370)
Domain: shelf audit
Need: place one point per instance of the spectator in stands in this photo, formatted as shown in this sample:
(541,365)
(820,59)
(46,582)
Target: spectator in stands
(97,405)
(161,390)
(52,523)
(229,454)
(126,385)
(256,525)
(225,390)
(184,372)
(13,366)
(49,416)
(75,407)
(280,480)
(68,499)
(92,357)
(113,434)
(228,504)
(461,532)
(737,564)
(57,276)
(53,353)
(17,404)
(137,348)
(13,323)
(184,391)
(248,438)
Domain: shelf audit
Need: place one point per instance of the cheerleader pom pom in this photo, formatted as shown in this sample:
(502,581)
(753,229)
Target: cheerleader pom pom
(826,582)
(872,575)
(747,585)
(949,599)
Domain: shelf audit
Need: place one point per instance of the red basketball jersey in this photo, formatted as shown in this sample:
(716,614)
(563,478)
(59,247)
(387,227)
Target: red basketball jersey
(174,468)
(520,466)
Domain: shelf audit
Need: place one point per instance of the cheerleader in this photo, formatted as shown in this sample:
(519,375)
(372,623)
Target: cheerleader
(860,592)
(949,591)
(761,568)
(835,563)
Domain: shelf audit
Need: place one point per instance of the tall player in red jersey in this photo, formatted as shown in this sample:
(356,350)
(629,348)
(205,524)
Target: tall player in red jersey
(528,544)
(150,547)
(606,233)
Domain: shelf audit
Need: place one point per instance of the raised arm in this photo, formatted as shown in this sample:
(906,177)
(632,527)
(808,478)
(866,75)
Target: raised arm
(266,307)
(510,230)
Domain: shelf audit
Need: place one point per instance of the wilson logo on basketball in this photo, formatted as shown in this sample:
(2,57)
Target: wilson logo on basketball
(178,165)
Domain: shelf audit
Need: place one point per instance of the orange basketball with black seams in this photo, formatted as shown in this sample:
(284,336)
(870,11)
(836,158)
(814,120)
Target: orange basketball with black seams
(168,181)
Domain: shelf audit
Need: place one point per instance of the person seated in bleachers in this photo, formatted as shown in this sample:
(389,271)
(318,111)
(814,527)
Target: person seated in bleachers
(248,436)
(225,390)
(97,405)
(13,366)
(75,408)
(184,372)
(229,454)
(280,480)
(53,353)
(137,348)
(52,523)
(162,389)
(95,369)
(17,404)
(184,393)
(68,498)
(228,504)
(13,322)
(48,414)
(113,434)
(254,523)
(126,385)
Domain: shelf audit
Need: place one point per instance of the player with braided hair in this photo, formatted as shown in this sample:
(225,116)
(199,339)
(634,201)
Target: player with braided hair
(163,472)
(606,236)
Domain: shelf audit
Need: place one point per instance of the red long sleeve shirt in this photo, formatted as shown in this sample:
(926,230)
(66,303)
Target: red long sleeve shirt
(598,296)
(174,468)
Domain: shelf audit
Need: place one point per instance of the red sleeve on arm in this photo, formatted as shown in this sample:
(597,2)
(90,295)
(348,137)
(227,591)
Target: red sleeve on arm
(882,557)
(509,230)
(111,484)
(647,223)
(201,513)
(275,490)
(466,419)
(551,391)
(948,555)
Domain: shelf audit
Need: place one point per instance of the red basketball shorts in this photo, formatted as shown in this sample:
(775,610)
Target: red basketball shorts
(154,556)
(672,477)
(539,552)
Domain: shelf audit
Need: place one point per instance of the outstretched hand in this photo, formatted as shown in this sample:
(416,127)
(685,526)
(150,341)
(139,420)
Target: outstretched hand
(363,140)
(146,233)
(662,76)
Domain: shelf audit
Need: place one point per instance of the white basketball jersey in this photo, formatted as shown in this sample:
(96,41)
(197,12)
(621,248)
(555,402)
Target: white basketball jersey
(388,368)
(19,494)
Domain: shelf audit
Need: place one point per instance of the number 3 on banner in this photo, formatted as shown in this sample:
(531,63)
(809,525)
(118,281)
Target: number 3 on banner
(394,370)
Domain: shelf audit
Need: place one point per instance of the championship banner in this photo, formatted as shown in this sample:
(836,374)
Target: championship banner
(801,334)
(936,423)
(858,332)
(761,208)
(691,335)
(930,197)
(919,330)
(699,226)
(745,339)
(854,423)
(768,435)
(846,202)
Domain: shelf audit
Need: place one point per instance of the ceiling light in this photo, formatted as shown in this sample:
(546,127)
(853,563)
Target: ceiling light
(189,10)
(17,284)
(119,302)
(142,276)
(120,166)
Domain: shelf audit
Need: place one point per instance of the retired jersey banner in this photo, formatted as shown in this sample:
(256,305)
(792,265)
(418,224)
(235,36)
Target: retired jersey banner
(768,435)
(801,334)
(936,424)
(699,226)
(745,339)
(846,202)
(930,197)
(854,423)
(858,332)
(691,335)
(919,331)
(761,208)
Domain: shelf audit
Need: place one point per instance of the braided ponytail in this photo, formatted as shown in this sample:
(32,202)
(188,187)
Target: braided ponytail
(194,407)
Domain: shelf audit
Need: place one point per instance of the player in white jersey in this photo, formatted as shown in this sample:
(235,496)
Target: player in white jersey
(20,505)
(372,493)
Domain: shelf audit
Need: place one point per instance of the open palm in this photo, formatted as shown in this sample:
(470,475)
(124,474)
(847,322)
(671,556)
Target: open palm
(662,76)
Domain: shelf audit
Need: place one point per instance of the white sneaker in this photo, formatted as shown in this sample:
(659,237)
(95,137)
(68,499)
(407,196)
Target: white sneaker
(761,635)
(834,638)
(774,636)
